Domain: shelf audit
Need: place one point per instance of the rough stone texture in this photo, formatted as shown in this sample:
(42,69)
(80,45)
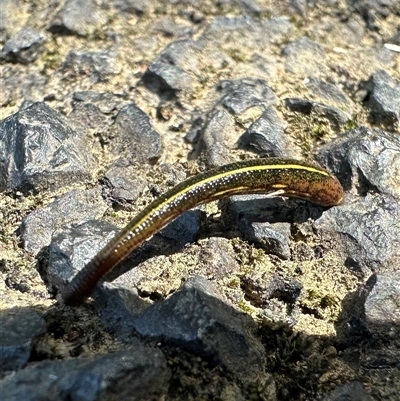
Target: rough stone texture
(73,247)
(368,230)
(353,391)
(384,100)
(80,17)
(135,136)
(97,66)
(19,327)
(137,373)
(365,160)
(24,47)
(212,330)
(75,207)
(40,151)
(382,305)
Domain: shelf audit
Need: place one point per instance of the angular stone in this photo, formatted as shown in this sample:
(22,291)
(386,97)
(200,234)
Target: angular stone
(25,46)
(75,207)
(40,151)
(18,328)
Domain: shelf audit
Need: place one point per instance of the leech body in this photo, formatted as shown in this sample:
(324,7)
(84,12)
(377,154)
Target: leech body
(290,177)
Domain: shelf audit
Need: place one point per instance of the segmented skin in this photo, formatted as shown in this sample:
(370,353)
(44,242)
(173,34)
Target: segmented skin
(289,177)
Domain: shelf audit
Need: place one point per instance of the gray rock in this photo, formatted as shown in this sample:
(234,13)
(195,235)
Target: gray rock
(384,100)
(138,7)
(217,137)
(98,66)
(257,222)
(106,102)
(73,247)
(382,305)
(266,135)
(40,151)
(25,46)
(239,96)
(367,232)
(211,330)
(123,183)
(173,70)
(353,391)
(137,373)
(79,17)
(365,159)
(327,92)
(304,57)
(75,207)
(135,136)
(18,328)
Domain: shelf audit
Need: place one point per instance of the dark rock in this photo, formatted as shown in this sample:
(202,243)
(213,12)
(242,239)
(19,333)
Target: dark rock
(79,17)
(88,115)
(137,373)
(123,183)
(365,159)
(138,7)
(73,247)
(334,115)
(171,29)
(135,136)
(211,330)
(384,100)
(304,57)
(367,232)
(382,306)
(40,151)
(266,135)
(353,391)
(19,327)
(97,66)
(75,207)
(217,137)
(173,69)
(241,95)
(252,217)
(326,92)
(25,46)
(106,102)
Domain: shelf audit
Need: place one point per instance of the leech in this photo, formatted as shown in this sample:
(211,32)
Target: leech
(273,176)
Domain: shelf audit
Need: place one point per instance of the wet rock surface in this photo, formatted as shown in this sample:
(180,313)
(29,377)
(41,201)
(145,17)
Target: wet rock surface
(107,105)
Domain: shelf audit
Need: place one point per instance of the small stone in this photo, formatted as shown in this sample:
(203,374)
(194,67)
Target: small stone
(25,46)
(19,327)
(75,207)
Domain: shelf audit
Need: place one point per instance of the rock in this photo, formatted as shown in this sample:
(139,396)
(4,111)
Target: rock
(241,95)
(98,66)
(73,247)
(137,373)
(106,102)
(353,391)
(251,215)
(217,137)
(365,159)
(326,92)
(40,151)
(367,232)
(172,70)
(25,46)
(384,100)
(211,330)
(135,136)
(304,57)
(266,136)
(79,17)
(75,207)
(19,327)
(382,305)
(138,7)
